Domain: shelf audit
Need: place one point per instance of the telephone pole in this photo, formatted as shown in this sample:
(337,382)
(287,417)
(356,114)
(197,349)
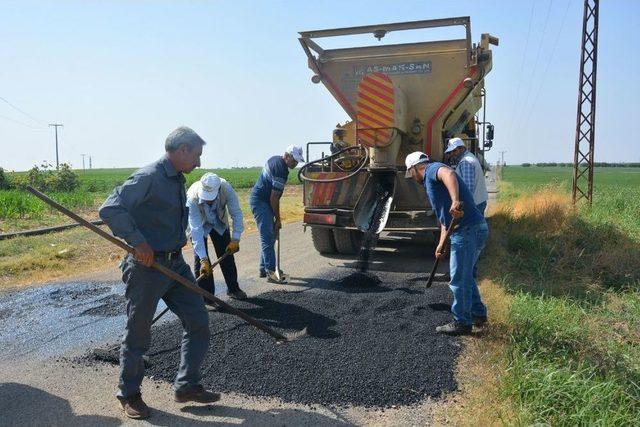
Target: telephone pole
(502,154)
(56,126)
(83,161)
(90,162)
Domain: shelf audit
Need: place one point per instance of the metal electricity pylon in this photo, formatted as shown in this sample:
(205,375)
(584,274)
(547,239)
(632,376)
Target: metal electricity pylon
(586,116)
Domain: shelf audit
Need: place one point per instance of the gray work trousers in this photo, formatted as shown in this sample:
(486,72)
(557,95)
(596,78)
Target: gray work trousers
(145,287)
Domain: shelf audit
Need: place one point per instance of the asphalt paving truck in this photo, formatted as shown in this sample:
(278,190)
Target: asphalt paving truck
(399,98)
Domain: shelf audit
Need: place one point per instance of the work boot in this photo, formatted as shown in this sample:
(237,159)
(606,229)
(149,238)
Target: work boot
(263,274)
(196,394)
(134,407)
(454,328)
(272,278)
(479,321)
(238,294)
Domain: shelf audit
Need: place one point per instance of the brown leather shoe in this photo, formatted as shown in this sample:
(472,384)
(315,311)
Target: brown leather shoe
(196,394)
(134,407)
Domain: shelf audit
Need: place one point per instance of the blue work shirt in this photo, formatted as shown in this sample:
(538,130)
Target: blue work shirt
(273,178)
(149,207)
(201,227)
(441,201)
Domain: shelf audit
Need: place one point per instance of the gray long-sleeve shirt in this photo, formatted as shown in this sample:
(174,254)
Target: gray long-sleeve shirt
(149,207)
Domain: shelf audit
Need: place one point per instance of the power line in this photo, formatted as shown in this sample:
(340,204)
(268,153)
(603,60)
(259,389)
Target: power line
(524,57)
(20,123)
(535,63)
(22,111)
(549,59)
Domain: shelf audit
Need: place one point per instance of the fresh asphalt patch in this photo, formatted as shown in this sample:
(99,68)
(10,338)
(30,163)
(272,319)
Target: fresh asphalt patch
(371,343)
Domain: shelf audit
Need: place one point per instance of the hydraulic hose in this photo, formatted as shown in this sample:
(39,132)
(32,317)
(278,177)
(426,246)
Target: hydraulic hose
(363,162)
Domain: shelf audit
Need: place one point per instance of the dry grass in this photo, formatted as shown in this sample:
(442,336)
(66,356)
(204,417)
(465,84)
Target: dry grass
(40,259)
(479,401)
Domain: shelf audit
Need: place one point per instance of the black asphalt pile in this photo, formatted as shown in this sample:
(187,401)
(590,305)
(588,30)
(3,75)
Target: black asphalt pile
(111,305)
(375,348)
(360,280)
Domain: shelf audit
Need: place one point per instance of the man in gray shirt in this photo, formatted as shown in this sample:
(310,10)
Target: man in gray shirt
(149,212)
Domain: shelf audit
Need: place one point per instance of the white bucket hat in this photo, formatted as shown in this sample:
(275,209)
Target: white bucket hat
(209,186)
(296,153)
(453,144)
(413,159)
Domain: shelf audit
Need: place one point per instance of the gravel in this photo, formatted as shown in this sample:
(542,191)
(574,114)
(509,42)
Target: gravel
(370,343)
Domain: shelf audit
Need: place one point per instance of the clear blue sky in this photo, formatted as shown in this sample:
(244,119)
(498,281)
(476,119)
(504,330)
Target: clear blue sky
(121,75)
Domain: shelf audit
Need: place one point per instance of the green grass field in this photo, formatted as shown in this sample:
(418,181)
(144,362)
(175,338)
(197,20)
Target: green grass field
(20,210)
(571,282)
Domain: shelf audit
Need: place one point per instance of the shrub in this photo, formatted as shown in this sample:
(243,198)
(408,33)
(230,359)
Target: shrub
(46,179)
(5,184)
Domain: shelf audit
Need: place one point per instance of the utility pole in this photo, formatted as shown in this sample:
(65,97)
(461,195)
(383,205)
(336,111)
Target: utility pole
(89,162)
(586,116)
(56,126)
(83,161)
(502,154)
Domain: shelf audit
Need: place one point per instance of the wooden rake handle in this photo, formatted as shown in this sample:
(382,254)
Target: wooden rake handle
(161,268)
(454,222)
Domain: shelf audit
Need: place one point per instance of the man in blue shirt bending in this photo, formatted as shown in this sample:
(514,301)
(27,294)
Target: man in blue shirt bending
(265,206)
(450,198)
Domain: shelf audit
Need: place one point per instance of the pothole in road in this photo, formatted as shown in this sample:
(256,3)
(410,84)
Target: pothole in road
(111,305)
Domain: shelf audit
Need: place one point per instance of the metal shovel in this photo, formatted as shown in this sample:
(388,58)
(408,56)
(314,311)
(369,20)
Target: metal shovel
(278,273)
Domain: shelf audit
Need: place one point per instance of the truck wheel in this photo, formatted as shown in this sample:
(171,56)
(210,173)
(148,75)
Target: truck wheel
(347,241)
(323,240)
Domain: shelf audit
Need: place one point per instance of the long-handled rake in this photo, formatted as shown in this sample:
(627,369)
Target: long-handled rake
(280,338)
(454,222)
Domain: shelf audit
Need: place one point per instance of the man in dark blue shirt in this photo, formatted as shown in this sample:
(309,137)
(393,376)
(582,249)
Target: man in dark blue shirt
(450,198)
(149,212)
(265,206)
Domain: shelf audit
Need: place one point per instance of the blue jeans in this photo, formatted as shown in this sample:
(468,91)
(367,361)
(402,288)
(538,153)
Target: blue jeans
(265,218)
(482,207)
(466,244)
(145,287)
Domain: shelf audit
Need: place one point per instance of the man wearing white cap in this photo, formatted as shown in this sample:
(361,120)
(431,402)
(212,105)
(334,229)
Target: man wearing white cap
(450,198)
(265,206)
(211,201)
(468,167)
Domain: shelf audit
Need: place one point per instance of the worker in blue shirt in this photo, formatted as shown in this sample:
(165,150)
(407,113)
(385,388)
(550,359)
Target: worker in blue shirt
(211,201)
(450,198)
(149,212)
(265,206)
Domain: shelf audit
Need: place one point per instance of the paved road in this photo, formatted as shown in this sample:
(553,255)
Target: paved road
(42,327)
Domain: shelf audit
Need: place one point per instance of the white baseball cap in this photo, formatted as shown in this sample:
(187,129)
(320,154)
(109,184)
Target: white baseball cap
(209,186)
(413,159)
(453,144)
(296,152)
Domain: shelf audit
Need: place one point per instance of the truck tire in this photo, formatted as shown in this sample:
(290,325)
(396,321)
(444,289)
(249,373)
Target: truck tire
(323,240)
(347,241)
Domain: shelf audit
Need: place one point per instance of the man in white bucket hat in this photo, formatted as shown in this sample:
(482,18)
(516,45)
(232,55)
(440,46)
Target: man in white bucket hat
(211,201)
(468,167)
